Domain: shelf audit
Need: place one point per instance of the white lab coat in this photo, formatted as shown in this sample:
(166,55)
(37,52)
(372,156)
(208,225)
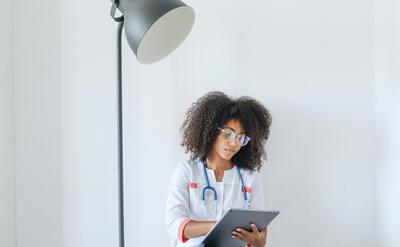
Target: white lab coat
(184,198)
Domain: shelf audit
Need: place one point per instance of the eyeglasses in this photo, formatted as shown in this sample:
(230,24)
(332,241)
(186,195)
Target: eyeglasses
(242,140)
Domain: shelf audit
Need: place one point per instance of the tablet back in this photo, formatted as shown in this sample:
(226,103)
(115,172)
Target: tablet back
(221,234)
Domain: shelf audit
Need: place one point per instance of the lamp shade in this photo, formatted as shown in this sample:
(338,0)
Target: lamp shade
(155,28)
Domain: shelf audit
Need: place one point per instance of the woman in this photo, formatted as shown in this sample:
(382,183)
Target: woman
(225,138)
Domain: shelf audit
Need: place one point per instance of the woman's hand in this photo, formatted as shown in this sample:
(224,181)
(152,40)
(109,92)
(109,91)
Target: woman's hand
(255,238)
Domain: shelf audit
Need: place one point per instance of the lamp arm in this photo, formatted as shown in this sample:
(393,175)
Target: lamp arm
(114,6)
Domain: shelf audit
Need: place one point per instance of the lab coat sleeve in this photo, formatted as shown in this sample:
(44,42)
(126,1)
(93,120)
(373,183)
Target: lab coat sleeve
(178,202)
(257,199)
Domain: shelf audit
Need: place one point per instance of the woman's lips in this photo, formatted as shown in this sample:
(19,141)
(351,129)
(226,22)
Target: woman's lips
(230,151)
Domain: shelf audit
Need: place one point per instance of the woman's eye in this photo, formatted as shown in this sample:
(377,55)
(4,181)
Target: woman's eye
(228,134)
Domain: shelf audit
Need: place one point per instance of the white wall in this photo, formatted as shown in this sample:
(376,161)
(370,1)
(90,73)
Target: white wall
(310,62)
(7,168)
(311,68)
(38,158)
(387,77)
(88,115)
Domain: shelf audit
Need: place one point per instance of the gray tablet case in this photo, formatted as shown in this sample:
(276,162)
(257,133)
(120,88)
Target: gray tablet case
(221,234)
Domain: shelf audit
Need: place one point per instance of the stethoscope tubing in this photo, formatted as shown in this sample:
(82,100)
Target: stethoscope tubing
(209,187)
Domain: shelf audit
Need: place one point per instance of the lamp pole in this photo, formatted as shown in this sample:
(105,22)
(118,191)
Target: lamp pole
(120,136)
(120,140)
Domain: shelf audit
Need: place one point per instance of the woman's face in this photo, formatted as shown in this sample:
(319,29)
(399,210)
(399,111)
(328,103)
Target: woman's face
(224,147)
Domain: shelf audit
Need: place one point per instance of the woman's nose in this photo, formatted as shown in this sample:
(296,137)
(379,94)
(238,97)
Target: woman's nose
(232,143)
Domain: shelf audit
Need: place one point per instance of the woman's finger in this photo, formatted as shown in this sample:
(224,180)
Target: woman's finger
(254,227)
(238,235)
(242,231)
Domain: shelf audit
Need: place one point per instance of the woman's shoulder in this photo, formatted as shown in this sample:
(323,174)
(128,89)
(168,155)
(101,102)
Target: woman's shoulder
(250,175)
(189,163)
(182,172)
(187,166)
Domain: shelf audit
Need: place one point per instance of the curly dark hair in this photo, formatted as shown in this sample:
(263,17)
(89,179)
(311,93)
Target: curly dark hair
(213,110)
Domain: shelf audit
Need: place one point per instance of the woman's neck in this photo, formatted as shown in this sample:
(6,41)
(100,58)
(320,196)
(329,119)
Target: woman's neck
(216,163)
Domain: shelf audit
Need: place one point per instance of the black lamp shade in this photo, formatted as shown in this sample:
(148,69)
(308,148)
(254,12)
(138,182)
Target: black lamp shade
(155,28)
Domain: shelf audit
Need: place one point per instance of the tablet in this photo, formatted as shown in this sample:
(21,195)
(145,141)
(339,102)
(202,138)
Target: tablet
(220,234)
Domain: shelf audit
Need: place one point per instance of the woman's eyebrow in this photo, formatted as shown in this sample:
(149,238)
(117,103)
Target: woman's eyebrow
(234,130)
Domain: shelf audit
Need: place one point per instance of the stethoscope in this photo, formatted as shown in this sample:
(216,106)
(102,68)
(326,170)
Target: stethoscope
(209,187)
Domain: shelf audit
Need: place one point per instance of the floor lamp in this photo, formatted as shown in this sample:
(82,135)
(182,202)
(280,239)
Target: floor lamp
(153,29)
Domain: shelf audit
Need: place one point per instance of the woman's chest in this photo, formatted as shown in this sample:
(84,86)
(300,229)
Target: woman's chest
(210,201)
